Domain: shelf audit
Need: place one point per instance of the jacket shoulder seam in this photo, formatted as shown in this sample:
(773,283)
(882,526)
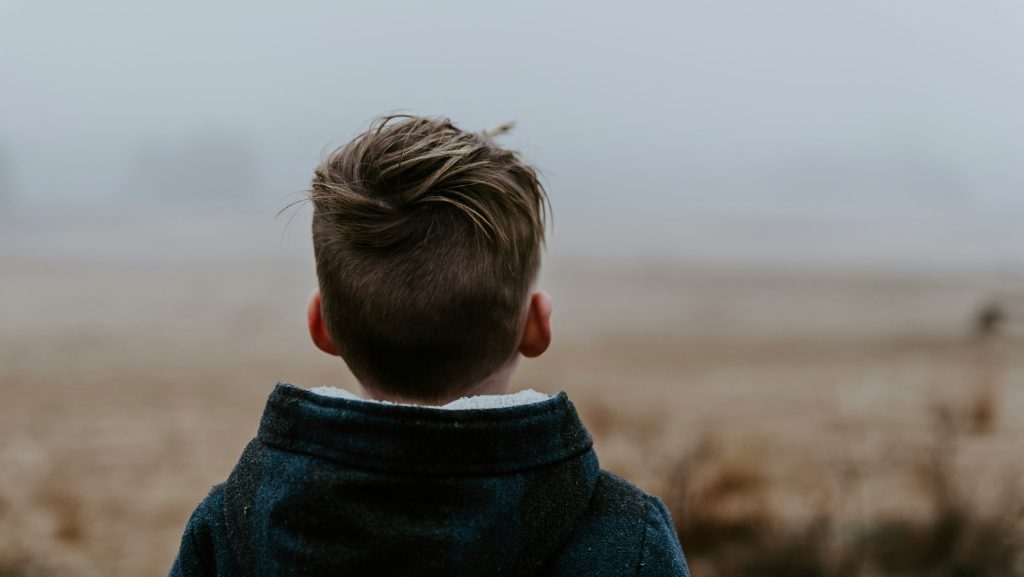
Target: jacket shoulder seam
(643,536)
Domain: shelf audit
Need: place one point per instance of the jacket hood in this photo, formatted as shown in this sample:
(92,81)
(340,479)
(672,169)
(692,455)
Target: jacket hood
(334,485)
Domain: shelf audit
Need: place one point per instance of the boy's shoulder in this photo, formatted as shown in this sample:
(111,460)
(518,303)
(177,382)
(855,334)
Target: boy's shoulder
(617,497)
(621,523)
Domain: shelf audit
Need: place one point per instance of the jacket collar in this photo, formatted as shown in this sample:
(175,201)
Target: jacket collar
(423,441)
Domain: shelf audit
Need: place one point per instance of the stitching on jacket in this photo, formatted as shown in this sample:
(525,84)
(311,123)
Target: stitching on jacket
(643,539)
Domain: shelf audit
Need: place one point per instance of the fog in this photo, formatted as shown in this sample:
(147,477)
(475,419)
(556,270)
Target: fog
(869,117)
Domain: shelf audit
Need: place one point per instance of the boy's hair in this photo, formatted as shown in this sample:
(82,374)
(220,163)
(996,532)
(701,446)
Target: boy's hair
(427,240)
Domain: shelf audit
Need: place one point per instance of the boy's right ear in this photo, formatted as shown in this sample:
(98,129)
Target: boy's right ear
(317,330)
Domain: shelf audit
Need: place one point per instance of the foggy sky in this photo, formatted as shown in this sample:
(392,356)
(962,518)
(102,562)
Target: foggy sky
(873,106)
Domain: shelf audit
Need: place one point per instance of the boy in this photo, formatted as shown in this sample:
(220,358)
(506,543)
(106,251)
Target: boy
(427,242)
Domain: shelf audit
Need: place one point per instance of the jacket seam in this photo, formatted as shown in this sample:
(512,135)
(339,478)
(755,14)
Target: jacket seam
(643,538)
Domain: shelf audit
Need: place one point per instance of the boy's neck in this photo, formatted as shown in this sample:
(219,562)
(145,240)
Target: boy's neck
(495,384)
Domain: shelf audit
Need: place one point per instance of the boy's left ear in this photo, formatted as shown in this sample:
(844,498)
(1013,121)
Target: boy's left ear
(537,335)
(317,330)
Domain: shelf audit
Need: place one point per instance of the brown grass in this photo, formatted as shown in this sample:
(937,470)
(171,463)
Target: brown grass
(728,526)
(22,564)
(65,508)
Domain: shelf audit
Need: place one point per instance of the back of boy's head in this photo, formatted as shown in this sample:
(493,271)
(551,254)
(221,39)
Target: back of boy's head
(427,241)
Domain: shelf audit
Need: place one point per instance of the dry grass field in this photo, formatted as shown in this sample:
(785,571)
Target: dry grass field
(827,422)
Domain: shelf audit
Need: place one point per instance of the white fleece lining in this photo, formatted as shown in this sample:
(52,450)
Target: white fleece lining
(465,403)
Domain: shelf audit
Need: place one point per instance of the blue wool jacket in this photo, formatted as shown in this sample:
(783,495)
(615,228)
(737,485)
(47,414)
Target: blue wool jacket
(334,486)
